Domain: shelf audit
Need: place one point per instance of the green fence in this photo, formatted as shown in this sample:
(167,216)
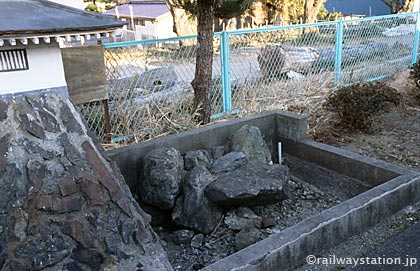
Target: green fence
(253,69)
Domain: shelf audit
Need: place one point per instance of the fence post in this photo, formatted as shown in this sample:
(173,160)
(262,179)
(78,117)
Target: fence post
(225,60)
(416,40)
(338,51)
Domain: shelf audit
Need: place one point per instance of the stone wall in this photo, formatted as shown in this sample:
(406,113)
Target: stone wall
(64,205)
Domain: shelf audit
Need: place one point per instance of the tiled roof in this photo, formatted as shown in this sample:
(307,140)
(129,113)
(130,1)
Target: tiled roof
(145,10)
(36,17)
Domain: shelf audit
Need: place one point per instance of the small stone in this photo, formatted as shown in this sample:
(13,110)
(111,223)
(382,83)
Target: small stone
(93,191)
(72,266)
(4,146)
(268,222)
(44,202)
(112,243)
(3,110)
(44,260)
(127,229)
(90,257)
(68,204)
(197,241)
(67,186)
(246,238)
(114,222)
(182,236)
(242,218)
(18,266)
(36,174)
(69,120)
(29,124)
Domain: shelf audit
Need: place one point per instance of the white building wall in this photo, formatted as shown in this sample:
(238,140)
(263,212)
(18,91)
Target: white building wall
(45,70)
(159,29)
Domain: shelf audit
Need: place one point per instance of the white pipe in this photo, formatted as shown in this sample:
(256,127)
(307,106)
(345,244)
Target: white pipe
(280,153)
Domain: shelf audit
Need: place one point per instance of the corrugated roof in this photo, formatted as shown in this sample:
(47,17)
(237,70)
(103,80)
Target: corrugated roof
(141,10)
(20,17)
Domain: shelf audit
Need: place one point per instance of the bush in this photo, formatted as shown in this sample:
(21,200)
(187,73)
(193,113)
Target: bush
(356,104)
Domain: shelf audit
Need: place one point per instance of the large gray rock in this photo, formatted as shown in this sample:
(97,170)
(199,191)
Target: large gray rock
(249,140)
(64,204)
(162,175)
(254,184)
(246,238)
(228,162)
(192,209)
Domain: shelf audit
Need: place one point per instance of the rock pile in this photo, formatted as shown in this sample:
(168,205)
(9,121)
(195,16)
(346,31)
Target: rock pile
(200,187)
(64,205)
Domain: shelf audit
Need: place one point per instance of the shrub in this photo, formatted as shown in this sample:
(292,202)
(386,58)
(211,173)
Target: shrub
(91,7)
(357,104)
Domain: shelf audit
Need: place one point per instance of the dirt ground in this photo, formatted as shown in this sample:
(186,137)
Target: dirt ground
(394,137)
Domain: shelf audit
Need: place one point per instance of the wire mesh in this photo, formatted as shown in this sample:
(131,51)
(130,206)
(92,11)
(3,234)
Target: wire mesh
(150,81)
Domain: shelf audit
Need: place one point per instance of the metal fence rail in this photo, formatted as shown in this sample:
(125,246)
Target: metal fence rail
(150,80)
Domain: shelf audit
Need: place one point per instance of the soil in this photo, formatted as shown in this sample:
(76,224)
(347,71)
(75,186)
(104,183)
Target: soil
(394,136)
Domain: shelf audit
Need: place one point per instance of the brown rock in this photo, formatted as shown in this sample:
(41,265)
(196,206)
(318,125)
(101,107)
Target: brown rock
(31,126)
(67,186)
(77,230)
(93,191)
(68,204)
(104,176)
(268,222)
(44,202)
(36,173)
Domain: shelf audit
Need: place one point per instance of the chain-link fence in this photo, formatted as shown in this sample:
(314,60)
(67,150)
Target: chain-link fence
(150,80)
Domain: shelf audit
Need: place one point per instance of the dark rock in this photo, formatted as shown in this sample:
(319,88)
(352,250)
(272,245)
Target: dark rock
(242,219)
(197,241)
(246,238)
(68,204)
(72,266)
(127,230)
(182,236)
(69,120)
(217,152)
(20,266)
(160,185)
(67,186)
(44,202)
(192,209)
(249,140)
(96,220)
(74,228)
(92,190)
(229,162)
(114,222)
(254,184)
(29,124)
(49,121)
(196,158)
(268,222)
(3,110)
(20,225)
(90,257)
(36,174)
(113,243)
(4,146)
(69,150)
(20,252)
(44,260)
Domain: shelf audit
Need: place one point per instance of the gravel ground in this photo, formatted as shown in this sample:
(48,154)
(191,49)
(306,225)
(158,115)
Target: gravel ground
(304,201)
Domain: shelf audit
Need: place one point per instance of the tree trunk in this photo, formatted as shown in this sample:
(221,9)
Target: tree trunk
(311,9)
(204,61)
(284,12)
(396,7)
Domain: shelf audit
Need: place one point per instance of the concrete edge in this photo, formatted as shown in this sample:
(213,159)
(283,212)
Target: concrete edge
(288,249)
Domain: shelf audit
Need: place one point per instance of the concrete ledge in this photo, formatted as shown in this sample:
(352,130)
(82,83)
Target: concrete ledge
(394,188)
